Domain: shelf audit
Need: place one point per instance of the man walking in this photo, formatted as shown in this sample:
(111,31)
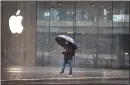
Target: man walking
(68,56)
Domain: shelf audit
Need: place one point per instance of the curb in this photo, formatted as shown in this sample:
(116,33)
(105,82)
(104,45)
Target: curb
(72,79)
(68,81)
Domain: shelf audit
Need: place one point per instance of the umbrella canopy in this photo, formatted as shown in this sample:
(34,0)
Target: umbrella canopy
(62,38)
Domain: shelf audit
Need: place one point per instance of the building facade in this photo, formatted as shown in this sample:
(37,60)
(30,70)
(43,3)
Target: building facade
(101,30)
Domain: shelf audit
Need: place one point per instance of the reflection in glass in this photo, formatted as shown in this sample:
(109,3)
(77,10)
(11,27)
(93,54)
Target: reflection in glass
(101,30)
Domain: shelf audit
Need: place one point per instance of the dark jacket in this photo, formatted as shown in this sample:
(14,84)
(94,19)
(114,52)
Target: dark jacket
(69,53)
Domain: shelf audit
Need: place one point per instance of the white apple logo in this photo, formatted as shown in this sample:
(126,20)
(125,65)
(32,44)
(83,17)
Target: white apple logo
(15,23)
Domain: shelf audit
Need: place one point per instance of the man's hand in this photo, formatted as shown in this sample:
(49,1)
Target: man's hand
(62,52)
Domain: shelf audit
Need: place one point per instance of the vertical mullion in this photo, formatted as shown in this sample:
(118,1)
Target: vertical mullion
(128,34)
(36,32)
(112,36)
(74,24)
(124,41)
(97,38)
(49,37)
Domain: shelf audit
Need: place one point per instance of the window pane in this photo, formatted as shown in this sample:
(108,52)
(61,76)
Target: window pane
(42,51)
(86,34)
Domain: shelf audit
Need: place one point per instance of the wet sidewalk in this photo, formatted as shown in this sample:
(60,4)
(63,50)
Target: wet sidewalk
(12,73)
(50,75)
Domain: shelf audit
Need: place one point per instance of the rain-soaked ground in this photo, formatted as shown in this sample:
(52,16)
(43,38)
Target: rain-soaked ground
(50,75)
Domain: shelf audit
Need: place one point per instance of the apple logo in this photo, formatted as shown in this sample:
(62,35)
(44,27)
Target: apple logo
(15,23)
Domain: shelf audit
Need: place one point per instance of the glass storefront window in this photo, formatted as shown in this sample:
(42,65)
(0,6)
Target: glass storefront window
(101,30)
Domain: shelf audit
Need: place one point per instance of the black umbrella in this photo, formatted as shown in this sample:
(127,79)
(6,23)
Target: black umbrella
(62,38)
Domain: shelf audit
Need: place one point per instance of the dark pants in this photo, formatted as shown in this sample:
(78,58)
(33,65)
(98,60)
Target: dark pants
(69,62)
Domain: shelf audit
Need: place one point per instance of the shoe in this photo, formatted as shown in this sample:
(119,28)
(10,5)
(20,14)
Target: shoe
(61,74)
(70,73)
